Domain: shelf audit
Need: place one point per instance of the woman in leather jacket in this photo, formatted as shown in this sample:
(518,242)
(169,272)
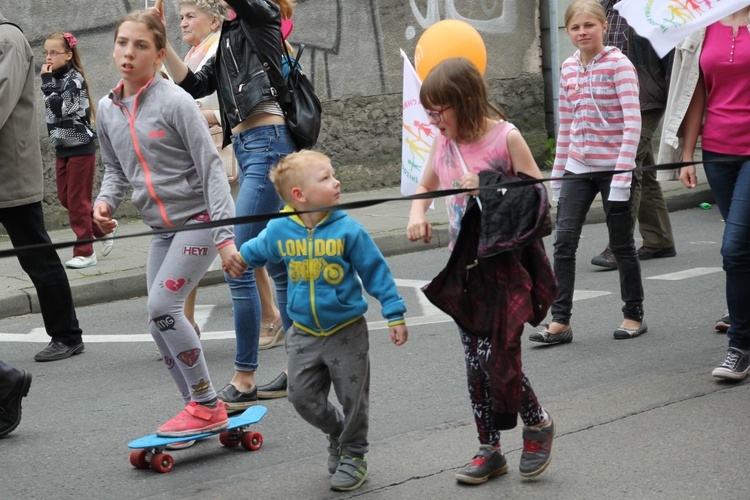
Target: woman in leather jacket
(246,74)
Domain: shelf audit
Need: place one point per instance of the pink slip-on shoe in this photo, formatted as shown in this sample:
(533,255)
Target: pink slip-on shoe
(195,419)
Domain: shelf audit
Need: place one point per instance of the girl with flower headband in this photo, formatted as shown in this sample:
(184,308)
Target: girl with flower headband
(69,114)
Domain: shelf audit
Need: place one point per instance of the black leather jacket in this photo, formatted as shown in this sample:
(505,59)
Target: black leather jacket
(243,72)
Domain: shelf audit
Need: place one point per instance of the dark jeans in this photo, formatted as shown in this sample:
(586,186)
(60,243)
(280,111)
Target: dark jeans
(730,183)
(25,226)
(576,197)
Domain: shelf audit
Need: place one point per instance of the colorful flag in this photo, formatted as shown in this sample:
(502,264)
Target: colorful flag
(417,132)
(667,22)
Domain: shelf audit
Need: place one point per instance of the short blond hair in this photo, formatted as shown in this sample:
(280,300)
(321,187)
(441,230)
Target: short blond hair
(593,7)
(291,170)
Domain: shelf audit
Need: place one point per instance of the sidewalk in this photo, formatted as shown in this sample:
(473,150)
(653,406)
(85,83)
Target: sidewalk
(122,274)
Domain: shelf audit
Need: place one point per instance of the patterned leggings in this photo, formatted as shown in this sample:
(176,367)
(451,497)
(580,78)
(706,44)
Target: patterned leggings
(476,352)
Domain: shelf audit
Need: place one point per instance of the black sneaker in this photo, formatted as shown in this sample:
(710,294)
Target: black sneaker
(722,324)
(487,463)
(274,389)
(236,400)
(334,453)
(57,350)
(735,366)
(605,259)
(537,448)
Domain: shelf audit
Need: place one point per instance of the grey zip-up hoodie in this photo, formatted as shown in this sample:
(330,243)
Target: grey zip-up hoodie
(165,152)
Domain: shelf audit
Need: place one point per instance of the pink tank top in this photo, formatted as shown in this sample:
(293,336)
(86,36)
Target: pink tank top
(489,152)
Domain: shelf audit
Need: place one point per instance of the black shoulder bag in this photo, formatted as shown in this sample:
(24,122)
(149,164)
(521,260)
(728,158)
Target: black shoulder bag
(303,115)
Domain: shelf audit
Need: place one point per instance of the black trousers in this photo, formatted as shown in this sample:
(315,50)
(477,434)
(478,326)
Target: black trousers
(25,226)
(576,197)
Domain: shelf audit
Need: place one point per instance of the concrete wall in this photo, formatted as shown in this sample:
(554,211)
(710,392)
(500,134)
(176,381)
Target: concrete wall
(352,56)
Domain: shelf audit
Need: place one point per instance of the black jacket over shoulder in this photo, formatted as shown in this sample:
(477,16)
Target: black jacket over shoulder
(241,76)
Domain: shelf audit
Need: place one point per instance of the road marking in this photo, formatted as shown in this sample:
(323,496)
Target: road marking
(430,315)
(688,273)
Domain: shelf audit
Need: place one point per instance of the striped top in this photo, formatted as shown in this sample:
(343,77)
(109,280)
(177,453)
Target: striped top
(600,120)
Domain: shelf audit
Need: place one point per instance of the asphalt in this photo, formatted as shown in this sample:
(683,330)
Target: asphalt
(122,274)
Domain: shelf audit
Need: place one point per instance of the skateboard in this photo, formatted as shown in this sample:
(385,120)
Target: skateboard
(148,451)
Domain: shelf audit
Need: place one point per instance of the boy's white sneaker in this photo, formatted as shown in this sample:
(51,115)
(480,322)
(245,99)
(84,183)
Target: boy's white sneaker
(80,262)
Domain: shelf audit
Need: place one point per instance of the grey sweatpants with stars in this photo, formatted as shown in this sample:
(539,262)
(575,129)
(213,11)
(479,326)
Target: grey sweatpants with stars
(341,360)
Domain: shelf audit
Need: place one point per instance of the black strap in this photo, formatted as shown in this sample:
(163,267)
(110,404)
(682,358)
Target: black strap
(5,21)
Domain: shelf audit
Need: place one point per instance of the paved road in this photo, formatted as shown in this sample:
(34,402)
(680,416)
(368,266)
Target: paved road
(636,419)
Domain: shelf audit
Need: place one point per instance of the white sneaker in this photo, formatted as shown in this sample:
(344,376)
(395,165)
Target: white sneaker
(108,242)
(80,262)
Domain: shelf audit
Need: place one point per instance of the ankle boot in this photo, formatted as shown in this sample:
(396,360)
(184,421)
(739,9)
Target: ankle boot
(14,385)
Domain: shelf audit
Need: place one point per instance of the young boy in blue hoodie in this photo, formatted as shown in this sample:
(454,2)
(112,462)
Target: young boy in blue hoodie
(327,254)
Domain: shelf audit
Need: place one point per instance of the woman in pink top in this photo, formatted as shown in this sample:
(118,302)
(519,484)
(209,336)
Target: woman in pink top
(474,136)
(723,95)
(600,127)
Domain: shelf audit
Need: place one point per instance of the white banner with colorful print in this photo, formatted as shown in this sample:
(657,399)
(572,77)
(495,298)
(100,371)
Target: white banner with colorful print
(417,132)
(667,22)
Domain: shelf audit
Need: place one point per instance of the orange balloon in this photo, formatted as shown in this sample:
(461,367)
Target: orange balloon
(445,39)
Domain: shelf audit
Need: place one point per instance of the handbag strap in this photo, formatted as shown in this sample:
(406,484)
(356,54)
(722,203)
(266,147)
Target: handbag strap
(466,170)
(294,67)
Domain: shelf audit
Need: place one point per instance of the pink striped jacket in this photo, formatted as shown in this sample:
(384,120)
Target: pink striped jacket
(600,120)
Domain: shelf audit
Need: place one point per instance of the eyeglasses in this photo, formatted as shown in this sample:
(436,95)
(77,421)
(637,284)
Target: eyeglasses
(53,53)
(436,115)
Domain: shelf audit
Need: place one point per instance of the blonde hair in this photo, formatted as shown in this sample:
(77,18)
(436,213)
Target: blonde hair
(291,170)
(286,7)
(592,7)
(78,65)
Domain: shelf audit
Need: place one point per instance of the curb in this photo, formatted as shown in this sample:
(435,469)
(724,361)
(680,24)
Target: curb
(107,288)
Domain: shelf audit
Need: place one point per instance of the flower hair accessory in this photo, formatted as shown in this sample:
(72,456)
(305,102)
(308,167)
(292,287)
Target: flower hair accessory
(70,39)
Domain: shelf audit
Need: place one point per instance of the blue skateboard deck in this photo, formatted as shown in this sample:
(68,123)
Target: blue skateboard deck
(148,451)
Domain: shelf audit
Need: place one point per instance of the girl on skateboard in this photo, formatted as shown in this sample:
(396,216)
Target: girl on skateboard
(154,139)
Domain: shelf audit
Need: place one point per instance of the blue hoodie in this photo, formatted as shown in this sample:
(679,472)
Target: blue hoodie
(325,267)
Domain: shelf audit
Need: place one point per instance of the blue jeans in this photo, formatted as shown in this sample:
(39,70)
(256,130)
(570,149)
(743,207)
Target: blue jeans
(576,197)
(257,150)
(730,183)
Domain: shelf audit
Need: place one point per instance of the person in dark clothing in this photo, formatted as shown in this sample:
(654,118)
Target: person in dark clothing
(649,206)
(21,195)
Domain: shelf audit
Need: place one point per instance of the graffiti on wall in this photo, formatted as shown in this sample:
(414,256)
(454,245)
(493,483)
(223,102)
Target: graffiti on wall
(501,15)
(347,51)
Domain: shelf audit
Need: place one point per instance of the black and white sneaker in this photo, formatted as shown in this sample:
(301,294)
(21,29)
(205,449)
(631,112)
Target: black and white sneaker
(735,366)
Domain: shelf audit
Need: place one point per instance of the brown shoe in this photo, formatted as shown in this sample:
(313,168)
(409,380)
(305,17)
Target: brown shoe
(605,259)
(645,253)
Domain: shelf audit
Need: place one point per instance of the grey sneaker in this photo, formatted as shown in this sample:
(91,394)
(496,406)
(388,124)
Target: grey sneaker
(537,448)
(350,474)
(334,453)
(735,366)
(487,463)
